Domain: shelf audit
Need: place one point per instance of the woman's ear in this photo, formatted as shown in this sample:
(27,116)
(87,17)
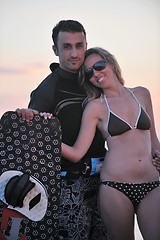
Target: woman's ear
(55,50)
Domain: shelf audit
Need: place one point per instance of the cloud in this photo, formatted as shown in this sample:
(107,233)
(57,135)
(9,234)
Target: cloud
(22,69)
(12,71)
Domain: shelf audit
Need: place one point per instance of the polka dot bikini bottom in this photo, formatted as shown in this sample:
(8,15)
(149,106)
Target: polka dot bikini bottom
(134,191)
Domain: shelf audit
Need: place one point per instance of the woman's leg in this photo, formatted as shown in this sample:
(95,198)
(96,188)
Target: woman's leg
(117,213)
(148,215)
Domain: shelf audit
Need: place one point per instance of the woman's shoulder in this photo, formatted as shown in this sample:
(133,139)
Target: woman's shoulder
(94,106)
(94,102)
(140,90)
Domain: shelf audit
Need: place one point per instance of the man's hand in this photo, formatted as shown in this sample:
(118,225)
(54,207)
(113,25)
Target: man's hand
(156,159)
(27,114)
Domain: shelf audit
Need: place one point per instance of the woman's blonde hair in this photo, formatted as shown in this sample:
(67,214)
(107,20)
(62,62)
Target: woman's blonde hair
(91,90)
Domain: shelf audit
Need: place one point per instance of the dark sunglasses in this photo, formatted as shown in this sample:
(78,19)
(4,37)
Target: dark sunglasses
(98,66)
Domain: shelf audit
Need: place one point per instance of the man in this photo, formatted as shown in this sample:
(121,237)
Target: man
(60,94)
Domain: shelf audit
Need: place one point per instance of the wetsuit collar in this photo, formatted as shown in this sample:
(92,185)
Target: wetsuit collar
(63,73)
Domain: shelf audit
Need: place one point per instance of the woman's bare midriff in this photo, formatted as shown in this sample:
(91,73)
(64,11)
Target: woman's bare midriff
(130,159)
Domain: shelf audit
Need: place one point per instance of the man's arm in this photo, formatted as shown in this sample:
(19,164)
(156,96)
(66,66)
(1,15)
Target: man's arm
(41,100)
(156,159)
(154,139)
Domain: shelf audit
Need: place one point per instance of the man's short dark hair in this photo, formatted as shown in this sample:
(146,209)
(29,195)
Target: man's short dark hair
(66,26)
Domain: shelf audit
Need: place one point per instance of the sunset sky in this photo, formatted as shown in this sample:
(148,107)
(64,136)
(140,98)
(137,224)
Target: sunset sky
(129,29)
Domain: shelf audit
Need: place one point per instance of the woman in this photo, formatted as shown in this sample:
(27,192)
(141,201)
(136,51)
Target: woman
(129,181)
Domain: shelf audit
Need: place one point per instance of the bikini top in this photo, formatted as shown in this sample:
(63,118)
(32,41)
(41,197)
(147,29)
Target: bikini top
(116,125)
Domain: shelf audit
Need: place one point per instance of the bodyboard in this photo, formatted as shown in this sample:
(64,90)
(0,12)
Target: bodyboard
(30,153)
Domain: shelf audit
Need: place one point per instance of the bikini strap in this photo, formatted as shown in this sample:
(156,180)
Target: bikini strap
(133,96)
(106,102)
(140,107)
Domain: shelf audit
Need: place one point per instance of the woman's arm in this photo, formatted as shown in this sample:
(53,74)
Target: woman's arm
(86,134)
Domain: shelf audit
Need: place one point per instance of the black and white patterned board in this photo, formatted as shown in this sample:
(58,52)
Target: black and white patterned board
(34,148)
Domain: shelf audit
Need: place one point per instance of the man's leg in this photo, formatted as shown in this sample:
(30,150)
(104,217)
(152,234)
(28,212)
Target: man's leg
(77,206)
